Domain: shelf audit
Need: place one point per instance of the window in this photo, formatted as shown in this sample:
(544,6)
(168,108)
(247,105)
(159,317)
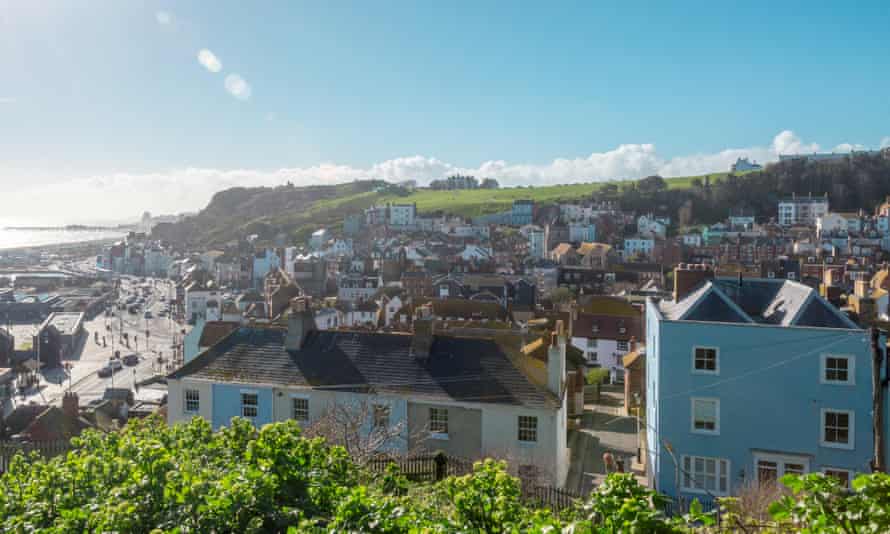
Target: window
(192,401)
(770,468)
(595,328)
(838,370)
(249,404)
(622,346)
(528,428)
(300,407)
(704,360)
(842,475)
(837,429)
(439,421)
(381,416)
(591,343)
(591,356)
(705,416)
(702,475)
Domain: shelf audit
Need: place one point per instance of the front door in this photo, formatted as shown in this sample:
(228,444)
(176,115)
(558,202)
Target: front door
(770,468)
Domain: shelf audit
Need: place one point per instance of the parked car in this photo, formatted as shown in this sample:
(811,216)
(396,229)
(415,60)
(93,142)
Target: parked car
(131,359)
(110,368)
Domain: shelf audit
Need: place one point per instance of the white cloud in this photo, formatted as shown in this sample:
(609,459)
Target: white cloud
(238,87)
(126,194)
(164,18)
(885,142)
(209,60)
(847,147)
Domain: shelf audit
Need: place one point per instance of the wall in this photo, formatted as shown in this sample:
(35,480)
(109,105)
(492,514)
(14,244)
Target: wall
(769,407)
(175,403)
(464,430)
(227,403)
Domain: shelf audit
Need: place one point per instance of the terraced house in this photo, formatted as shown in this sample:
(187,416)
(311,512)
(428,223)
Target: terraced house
(463,396)
(751,379)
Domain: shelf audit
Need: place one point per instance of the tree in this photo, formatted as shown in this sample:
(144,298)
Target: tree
(489,183)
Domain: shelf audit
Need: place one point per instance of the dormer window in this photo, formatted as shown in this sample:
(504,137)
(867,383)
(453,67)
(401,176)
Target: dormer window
(595,329)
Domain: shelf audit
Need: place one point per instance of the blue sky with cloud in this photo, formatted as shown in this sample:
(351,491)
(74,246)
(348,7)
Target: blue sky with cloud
(122,106)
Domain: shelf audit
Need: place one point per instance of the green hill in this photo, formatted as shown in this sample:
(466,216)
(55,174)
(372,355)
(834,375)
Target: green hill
(852,183)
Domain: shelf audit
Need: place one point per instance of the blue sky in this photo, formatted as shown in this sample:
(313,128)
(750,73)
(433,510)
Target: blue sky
(109,100)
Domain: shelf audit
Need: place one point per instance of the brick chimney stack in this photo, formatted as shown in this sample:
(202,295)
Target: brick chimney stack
(424,331)
(71,405)
(688,276)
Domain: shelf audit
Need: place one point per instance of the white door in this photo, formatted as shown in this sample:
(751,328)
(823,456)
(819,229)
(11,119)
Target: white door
(769,468)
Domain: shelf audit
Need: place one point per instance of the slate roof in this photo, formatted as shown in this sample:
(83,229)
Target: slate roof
(214,331)
(758,300)
(459,369)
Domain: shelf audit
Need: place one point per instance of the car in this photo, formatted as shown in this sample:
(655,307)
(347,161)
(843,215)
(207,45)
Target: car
(147,314)
(110,368)
(131,359)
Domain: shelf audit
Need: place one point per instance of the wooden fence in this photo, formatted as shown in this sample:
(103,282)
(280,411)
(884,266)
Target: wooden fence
(47,449)
(434,467)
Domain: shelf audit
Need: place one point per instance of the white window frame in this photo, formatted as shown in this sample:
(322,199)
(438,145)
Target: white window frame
(293,408)
(716,370)
(716,431)
(718,474)
(527,428)
(256,406)
(622,346)
(780,460)
(850,474)
(186,400)
(851,370)
(851,429)
(435,434)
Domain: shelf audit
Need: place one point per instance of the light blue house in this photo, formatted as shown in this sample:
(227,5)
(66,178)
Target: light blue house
(523,212)
(263,262)
(748,380)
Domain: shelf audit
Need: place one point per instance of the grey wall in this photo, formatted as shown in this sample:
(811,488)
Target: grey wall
(464,430)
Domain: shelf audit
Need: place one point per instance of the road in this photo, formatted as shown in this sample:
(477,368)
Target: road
(81,375)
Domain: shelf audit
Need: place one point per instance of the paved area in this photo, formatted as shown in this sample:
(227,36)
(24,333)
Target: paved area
(102,338)
(603,429)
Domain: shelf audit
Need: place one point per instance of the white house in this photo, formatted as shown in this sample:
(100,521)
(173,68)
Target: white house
(318,238)
(830,224)
(390,308)
(692,239)
(499,412)
(802,210)
(402,215)
(647,225)
(537,243)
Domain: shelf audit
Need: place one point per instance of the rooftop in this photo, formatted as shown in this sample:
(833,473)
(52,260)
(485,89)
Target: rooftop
(458,369)
(756,301)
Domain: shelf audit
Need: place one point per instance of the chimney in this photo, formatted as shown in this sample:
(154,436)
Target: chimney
(70,405)
(556,360)
(422,340)
(300,323)
(688,276)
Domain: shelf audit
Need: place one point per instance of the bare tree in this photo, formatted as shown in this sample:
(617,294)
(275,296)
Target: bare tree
(365,429)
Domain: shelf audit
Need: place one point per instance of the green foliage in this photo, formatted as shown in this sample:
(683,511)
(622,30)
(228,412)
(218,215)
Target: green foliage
(597,375)
(820,504)
(151,478)
(620,504)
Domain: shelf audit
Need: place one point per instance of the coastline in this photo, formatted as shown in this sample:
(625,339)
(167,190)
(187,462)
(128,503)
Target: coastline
(85,246)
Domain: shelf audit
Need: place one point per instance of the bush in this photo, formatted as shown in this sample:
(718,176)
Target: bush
(597,376)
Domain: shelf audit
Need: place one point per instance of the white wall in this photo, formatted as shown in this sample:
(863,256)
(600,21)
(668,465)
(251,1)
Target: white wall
(176,403)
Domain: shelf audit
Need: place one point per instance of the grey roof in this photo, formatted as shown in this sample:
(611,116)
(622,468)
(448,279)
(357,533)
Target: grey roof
(760,300)
(458,369)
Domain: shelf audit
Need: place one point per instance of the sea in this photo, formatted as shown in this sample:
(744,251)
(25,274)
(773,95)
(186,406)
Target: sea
(18,238)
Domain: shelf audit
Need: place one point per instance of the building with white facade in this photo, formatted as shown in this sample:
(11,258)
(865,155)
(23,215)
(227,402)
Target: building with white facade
(402,215)
(802,210)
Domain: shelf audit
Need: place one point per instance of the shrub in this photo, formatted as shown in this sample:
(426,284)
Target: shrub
(597,376)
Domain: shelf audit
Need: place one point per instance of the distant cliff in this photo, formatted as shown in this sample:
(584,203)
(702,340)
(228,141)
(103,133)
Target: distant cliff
(265,211)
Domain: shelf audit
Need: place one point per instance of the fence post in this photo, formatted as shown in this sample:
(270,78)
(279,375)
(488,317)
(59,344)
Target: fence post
(441,465)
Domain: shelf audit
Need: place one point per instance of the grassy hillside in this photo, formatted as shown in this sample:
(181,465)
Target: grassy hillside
(297,211)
